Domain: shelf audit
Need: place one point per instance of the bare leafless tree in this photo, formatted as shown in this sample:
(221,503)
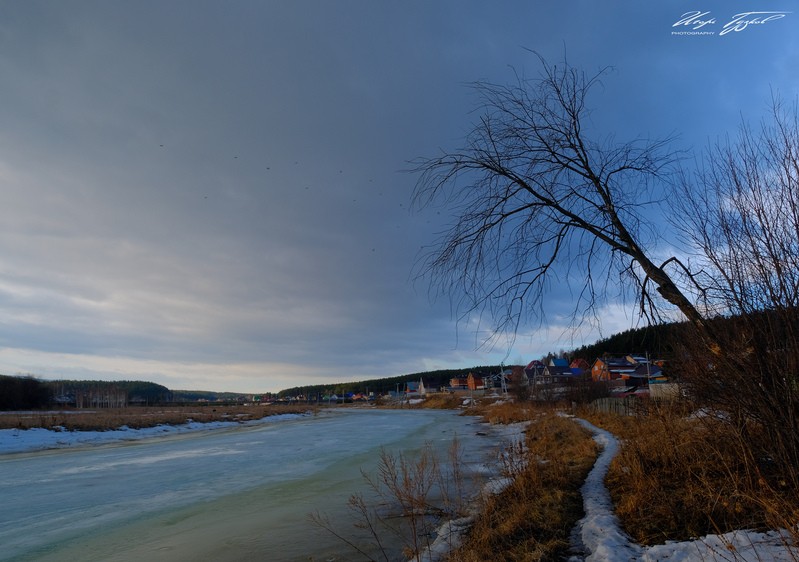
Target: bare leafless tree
(540,202)
(740,213)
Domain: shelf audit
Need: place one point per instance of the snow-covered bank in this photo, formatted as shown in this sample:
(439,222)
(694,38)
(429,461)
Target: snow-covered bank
(599,537)
(37,439)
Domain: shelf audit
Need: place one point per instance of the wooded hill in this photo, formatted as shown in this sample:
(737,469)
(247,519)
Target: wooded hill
(657,341)
(103,392)
(27,392)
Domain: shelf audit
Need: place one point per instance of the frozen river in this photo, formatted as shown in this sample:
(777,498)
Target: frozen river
(238,494)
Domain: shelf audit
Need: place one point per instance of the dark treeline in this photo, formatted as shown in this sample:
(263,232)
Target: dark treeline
(382,386)
(669,340)
(657,341)
(27,392)
(106,393)
(22,393)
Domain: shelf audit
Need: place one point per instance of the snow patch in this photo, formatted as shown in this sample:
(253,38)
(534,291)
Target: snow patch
(38,439)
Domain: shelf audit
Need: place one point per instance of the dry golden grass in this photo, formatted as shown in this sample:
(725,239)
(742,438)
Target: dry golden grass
(437,401)
(531,520)
(441,401)
(504,412)
(678,477)
(139,417)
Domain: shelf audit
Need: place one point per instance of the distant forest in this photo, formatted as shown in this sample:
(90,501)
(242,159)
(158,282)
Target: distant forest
(107,393)
(205,396)
(27,392)
(22,393)
(656,341)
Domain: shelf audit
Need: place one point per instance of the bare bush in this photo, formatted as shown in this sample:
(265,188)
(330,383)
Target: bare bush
(408,499)
(740,212)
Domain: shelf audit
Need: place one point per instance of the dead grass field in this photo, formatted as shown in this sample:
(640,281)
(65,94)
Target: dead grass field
(442,401)
(139,417)
(679,476)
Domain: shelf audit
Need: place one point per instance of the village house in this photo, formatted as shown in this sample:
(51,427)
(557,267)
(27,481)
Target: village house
(534,370)
(557,371)
(475,382)
(580,366)
(632,370)
(611,368)
(458,383)
(412,389)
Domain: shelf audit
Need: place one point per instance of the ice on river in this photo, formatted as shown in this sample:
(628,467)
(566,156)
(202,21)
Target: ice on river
(231,493)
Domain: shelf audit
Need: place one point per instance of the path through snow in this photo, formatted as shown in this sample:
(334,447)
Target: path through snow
(599,537)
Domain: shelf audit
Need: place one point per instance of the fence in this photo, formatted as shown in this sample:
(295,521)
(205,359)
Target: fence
(665,391)
(621,406)
(660,393)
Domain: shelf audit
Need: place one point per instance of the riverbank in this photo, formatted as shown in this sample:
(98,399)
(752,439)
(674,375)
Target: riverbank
(140,417)
(41,439)
(25,432)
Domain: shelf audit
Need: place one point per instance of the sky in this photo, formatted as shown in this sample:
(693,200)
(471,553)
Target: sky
(216,195)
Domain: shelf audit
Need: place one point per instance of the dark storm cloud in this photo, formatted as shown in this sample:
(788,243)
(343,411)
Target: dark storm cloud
(212,194)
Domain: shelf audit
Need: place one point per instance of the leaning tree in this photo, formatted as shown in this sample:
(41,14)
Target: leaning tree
(539,198)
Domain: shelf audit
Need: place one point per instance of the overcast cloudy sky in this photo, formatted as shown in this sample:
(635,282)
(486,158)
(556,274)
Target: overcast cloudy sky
(211,195)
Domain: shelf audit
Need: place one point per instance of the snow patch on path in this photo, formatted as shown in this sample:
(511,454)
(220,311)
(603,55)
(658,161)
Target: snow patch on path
(598,533)
(598,536)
